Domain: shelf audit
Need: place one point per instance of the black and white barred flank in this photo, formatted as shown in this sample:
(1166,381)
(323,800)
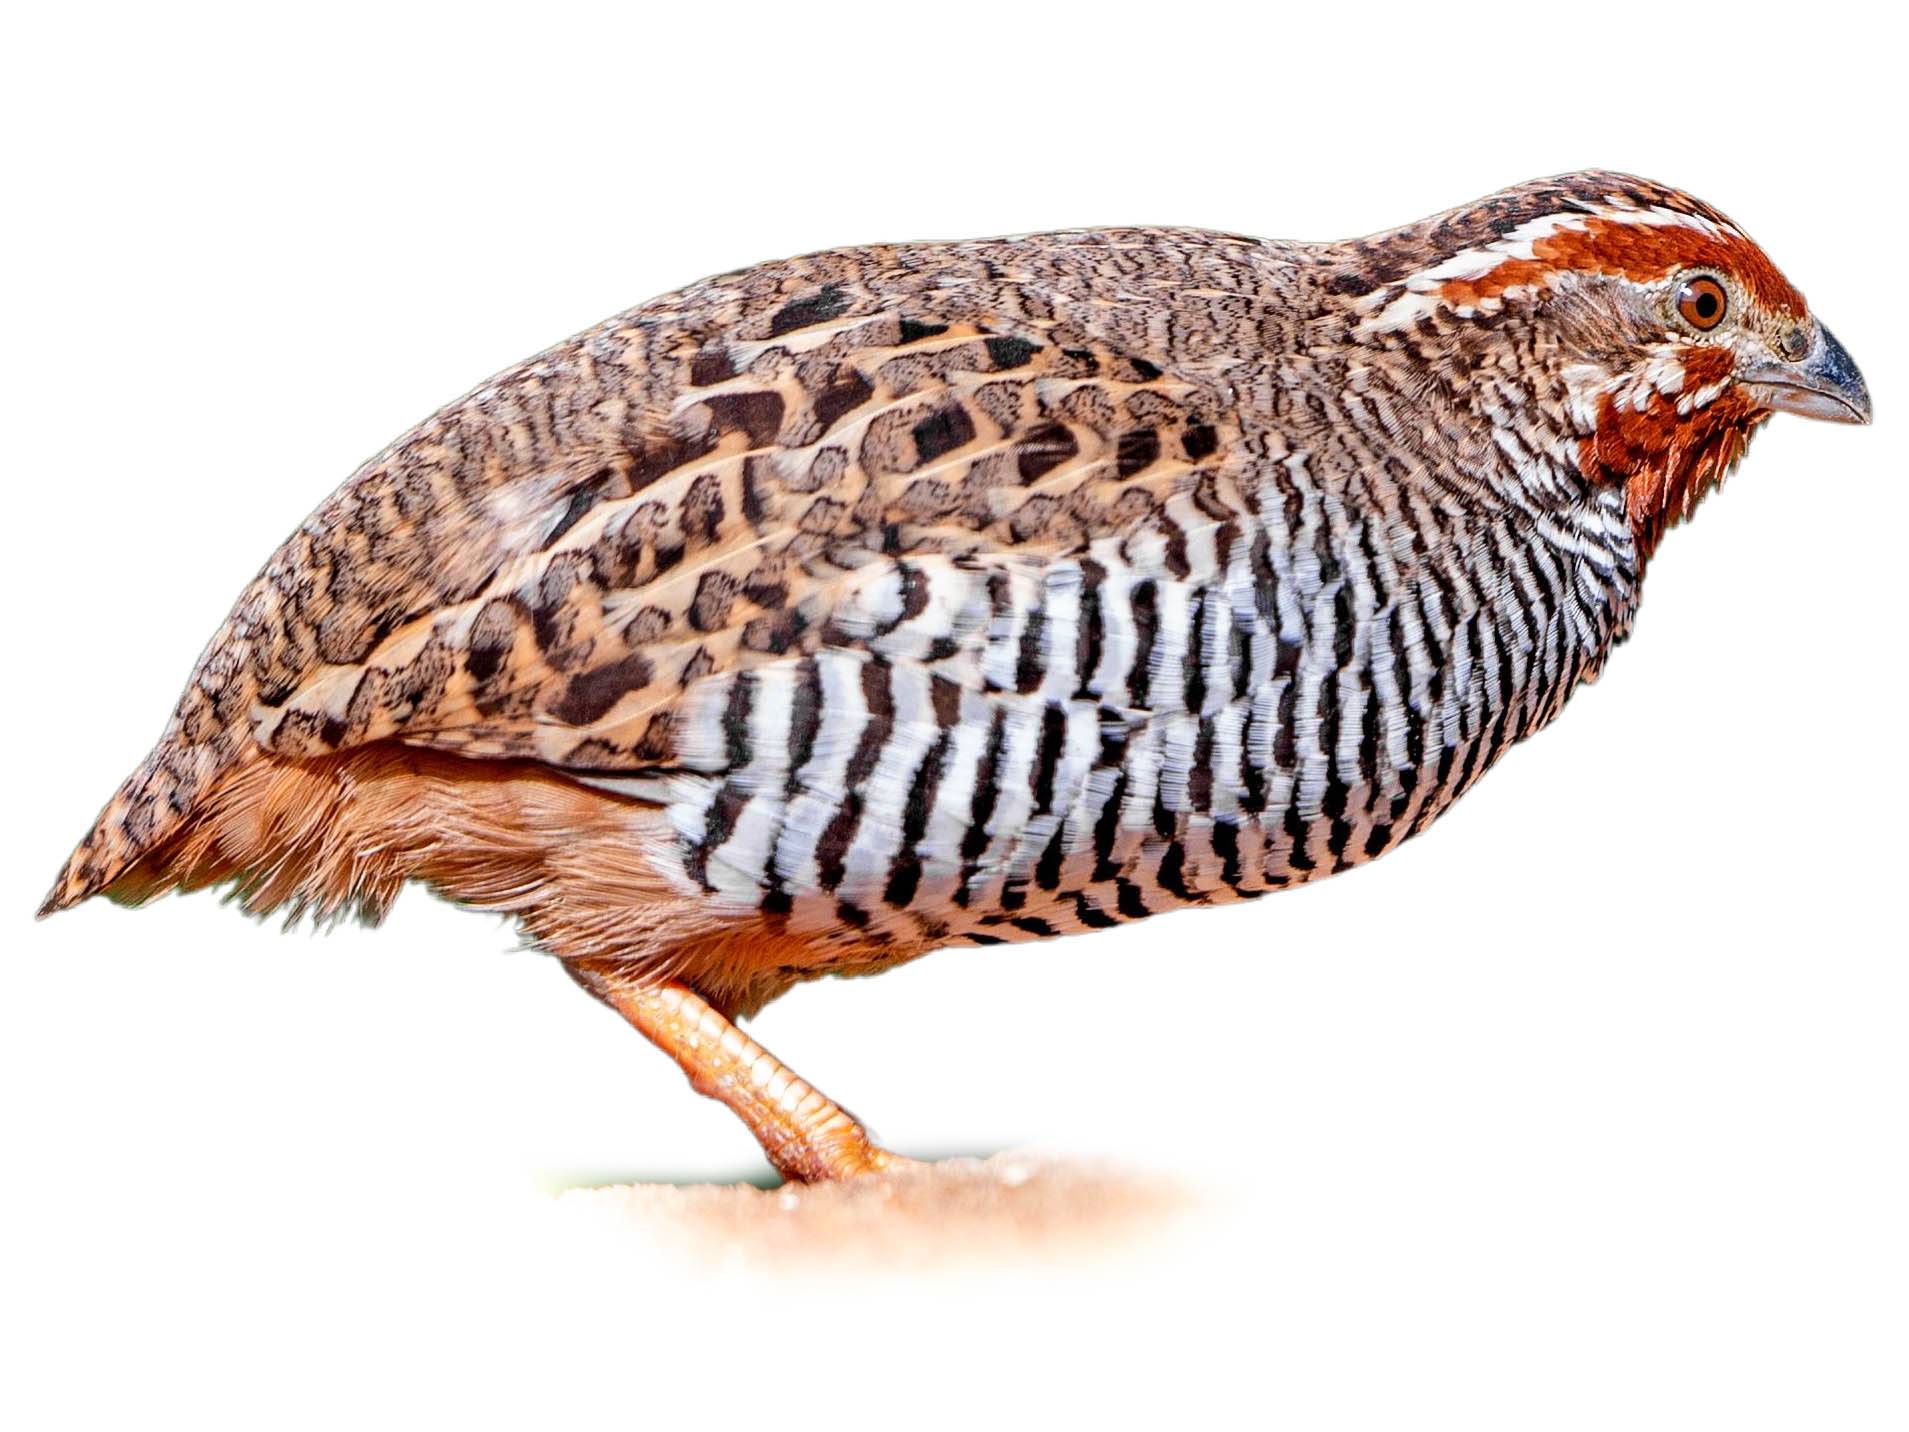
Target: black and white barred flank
(997,748)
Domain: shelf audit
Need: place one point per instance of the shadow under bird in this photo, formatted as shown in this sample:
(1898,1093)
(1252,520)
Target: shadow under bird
(827,612)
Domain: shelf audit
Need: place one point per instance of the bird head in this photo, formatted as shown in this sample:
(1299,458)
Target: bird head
(1646,329)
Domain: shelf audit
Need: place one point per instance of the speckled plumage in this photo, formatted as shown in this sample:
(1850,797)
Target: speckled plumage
(898,596)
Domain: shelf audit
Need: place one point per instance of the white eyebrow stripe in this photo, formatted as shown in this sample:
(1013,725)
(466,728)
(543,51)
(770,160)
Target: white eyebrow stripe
(1404,301)
(1662,217)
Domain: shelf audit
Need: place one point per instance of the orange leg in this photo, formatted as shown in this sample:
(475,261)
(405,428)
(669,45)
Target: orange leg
(806,1135)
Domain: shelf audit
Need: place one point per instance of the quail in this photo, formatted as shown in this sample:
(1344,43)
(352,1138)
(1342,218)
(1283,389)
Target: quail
(828,612)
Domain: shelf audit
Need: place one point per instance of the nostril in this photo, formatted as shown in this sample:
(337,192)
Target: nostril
(1795,344)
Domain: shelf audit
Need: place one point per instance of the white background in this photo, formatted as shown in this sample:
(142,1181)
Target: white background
(1587,1110)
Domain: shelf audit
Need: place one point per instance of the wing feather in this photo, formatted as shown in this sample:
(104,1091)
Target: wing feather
(800,485)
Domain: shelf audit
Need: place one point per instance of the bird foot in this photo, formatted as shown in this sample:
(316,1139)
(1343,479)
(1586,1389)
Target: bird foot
(826,1160)
(806,1135)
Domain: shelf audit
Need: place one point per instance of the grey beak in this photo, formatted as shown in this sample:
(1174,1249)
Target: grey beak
(1827,384)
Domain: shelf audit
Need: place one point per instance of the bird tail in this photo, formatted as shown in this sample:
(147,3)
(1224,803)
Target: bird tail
(150,805)
(208,734)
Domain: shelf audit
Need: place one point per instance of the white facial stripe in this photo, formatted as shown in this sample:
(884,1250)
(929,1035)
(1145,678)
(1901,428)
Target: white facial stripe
(1658,216)
(1520,243)
(1662,376)
(1402,303)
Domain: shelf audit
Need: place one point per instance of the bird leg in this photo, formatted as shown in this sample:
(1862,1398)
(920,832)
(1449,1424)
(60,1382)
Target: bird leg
(806,1135)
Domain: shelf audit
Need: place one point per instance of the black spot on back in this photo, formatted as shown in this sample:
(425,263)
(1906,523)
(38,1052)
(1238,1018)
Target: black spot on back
(846,391)
(942,431)
(1139,449)
(913,331)
(758,414)
(710,365)
(820,307)
(1044,449)
(592,693)
(1010,352)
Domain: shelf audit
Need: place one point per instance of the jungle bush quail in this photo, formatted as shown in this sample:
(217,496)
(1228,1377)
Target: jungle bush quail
(827,612)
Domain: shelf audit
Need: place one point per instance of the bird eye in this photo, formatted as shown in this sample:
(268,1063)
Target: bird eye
(1701,302)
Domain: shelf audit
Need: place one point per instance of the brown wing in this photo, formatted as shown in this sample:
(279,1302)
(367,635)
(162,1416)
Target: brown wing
(789,479)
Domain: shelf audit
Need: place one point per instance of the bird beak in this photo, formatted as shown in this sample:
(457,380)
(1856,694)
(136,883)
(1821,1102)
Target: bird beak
(1826,384)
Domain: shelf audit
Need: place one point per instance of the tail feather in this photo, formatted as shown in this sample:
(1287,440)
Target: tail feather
(210,731)
(147,808)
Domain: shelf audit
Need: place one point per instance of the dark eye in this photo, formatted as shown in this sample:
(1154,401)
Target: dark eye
(1702,301)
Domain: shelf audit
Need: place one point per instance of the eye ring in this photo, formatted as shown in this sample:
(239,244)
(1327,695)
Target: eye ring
(1702,302)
